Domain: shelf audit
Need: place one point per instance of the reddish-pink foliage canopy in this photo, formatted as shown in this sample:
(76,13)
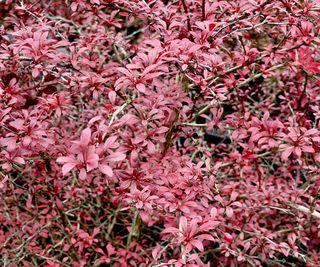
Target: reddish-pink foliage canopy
(159,133)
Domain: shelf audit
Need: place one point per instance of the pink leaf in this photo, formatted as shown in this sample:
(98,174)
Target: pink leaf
(125,71)
(155,252)
(308,149)
(68,167)
(82,174)
(141,87)
(285,154)
(206,237)
(66,160)
(209,225)
(233,196)
(213,212)
(111,142)
(3,182)
(183,223)
(198,244)
(229,212)
(311,132)
(112,96)
(228,237)
(85,137)
(116,156)
(105,169)
(170,230)
(59,204)
(19,160)
(110,249)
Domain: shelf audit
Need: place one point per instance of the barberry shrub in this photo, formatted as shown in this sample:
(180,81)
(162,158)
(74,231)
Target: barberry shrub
(159,133)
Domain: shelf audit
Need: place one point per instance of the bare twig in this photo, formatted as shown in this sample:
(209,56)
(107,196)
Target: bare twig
(304,209)
(185,7)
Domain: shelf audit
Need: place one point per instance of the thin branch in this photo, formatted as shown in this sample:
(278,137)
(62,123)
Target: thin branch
(186,11)
(203,10)
(304,209)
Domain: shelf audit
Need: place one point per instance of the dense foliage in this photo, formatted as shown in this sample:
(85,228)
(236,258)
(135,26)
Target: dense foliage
(159,133)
